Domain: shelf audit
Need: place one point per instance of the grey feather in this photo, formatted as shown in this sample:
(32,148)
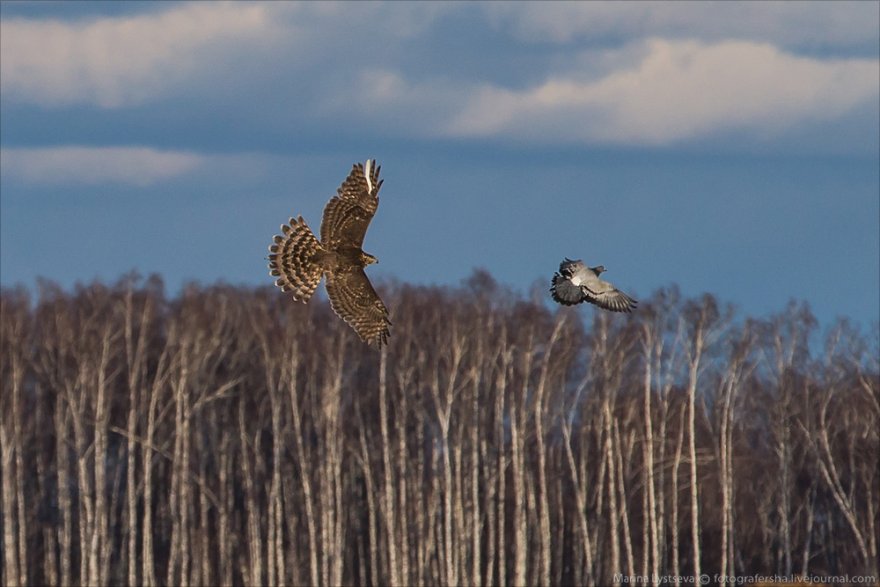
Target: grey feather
(575,282)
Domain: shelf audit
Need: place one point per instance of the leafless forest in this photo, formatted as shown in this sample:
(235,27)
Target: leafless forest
(232,436)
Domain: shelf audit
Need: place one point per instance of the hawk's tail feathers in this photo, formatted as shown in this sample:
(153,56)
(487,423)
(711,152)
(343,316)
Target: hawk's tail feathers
(292,259)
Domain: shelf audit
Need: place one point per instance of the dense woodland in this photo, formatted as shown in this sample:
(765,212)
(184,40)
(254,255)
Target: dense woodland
(232,436)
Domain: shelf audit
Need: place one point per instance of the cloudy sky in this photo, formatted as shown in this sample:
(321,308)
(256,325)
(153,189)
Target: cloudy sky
(729,148)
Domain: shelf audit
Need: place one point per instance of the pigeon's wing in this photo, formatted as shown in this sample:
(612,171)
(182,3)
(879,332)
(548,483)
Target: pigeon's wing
(354,300)
(606,296)
(348,214)
(565,292)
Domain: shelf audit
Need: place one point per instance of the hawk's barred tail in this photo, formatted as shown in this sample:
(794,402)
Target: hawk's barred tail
(291,259)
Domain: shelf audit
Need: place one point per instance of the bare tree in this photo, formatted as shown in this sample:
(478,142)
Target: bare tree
(703,323)
(227,436)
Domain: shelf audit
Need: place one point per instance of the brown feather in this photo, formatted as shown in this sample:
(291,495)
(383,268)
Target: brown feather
(354,300)
(295,261)
(348,214)
(299,260)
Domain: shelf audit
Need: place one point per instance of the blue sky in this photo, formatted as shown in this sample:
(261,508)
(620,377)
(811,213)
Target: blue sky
(728,148)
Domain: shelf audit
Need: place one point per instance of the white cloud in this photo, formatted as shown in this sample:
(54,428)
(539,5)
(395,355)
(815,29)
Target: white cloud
(393,69)
(139,166)
(120,61)
(116,62)
(400,106)
(676,90)
(842,25)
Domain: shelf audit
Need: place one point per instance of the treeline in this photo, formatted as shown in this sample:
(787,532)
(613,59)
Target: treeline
(232,436)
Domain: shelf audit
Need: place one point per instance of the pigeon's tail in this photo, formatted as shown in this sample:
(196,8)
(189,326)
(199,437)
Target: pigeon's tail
(293,259)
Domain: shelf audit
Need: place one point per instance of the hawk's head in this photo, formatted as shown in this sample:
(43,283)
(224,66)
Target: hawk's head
(368,259)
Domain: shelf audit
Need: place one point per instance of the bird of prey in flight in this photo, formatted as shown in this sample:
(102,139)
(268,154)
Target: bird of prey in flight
(576,283)
(298,259)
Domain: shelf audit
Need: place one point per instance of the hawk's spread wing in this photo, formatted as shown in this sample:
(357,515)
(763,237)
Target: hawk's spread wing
(348,214)
(354,300)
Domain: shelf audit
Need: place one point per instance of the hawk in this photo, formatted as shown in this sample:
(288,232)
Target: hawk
(576,283)
(298,259)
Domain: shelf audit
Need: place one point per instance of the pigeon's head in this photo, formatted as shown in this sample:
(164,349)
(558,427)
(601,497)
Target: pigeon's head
(599,269)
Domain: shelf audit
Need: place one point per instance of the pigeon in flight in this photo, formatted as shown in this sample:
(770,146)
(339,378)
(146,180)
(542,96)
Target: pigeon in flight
(576,283)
